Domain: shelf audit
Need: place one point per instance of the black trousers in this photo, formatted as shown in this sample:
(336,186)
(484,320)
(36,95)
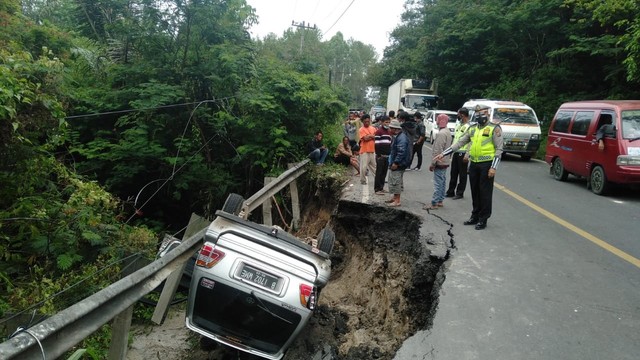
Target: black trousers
(458,181)
(382,166)
(481,189)
(417,149)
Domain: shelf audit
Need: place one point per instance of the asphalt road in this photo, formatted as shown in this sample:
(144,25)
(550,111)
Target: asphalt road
(555,275)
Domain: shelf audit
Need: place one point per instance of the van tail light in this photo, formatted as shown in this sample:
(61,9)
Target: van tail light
(308,296)
(208,256)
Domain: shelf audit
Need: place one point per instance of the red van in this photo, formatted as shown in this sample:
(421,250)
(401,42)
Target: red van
(572,146)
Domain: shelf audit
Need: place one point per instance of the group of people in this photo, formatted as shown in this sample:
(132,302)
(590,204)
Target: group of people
(387,148)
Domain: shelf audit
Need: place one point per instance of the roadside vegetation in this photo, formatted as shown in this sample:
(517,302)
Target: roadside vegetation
(118,119)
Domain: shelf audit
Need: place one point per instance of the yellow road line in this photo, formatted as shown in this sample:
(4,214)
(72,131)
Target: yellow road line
(603,244)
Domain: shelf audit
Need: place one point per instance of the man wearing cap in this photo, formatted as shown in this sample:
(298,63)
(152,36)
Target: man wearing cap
(485,150)
(459,160)
(399,161)
(439,168)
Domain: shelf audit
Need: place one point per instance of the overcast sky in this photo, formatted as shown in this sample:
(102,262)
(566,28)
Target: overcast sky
(368,21)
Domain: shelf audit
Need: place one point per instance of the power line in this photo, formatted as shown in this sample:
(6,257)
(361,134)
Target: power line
(341,15)
(144,109)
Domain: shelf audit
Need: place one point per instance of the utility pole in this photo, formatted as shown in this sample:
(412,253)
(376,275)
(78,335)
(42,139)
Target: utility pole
(303,26)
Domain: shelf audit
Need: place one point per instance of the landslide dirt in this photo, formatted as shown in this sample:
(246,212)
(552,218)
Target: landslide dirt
(383,288)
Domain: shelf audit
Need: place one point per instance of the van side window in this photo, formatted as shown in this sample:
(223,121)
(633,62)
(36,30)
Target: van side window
(581,122)
(561,124)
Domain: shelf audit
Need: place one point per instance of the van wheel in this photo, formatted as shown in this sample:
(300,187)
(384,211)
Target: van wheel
(525,157)
(559,173)
(326,238)
(233,204)
(599,183)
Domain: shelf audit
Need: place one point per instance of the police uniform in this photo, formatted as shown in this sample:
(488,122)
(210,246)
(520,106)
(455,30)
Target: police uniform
(485,150)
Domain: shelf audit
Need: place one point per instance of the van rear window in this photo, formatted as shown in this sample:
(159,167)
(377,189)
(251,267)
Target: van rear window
(561,123)
(581,123)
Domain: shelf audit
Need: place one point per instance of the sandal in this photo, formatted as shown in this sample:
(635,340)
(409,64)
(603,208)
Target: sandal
(389,201)
(430,207)
(393,204)
(440,204)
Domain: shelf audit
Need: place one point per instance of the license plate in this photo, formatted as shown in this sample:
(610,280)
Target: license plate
(253,276)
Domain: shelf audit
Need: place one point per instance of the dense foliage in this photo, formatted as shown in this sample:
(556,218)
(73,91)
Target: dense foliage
(542,52)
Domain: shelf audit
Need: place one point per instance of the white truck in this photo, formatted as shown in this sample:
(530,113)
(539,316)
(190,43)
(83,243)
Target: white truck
(412,95)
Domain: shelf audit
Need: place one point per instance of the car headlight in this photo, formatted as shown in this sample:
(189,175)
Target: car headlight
(628,160)
(535,136)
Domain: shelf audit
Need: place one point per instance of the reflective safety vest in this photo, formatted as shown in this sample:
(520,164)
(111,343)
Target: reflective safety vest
(460,130)
(482,148)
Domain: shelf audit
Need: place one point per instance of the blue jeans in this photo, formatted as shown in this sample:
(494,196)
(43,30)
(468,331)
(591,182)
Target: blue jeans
(439,180)
(318,155)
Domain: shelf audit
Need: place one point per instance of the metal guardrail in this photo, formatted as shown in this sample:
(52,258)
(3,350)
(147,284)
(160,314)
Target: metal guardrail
(59,333)
(272,188)
(54,336)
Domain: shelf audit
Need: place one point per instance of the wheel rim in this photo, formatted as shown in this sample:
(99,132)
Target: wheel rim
(596,180)
(557,168)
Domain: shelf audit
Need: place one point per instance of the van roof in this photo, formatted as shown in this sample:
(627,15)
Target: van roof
(594,104)
(493,103)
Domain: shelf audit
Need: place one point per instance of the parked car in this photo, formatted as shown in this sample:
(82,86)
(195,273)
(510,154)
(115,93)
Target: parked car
(572,147)
(255,287)
(432,128)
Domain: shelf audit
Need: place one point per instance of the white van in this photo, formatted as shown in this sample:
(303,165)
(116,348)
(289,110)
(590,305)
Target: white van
(519,123)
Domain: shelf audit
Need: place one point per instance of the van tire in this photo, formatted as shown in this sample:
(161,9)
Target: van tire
(525,157)
(558,170)
(326,238)
(598,180)
(233,204)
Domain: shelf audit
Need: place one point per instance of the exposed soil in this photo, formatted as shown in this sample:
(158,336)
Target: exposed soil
(384,287)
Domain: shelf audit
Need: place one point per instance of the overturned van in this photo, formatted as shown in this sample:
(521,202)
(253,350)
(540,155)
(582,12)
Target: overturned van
(573,147)
(519,123)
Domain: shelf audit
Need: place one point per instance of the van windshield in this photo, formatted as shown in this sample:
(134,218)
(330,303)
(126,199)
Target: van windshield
(514,116)
(631,124)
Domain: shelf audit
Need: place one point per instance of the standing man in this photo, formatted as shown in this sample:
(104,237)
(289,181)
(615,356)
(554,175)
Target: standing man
(383,149)
(399,160)
(485,150)
(317,151)
(367,148)
(460,159)
(439,168)
(414,128)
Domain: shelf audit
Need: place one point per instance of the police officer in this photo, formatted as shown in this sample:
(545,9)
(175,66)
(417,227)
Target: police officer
(485,150)
(459,160)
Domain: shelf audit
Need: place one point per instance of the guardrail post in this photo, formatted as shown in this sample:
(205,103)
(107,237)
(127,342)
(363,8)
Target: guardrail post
(295,202)
(267,218)
(120,334)
(122,322)
(196,223)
